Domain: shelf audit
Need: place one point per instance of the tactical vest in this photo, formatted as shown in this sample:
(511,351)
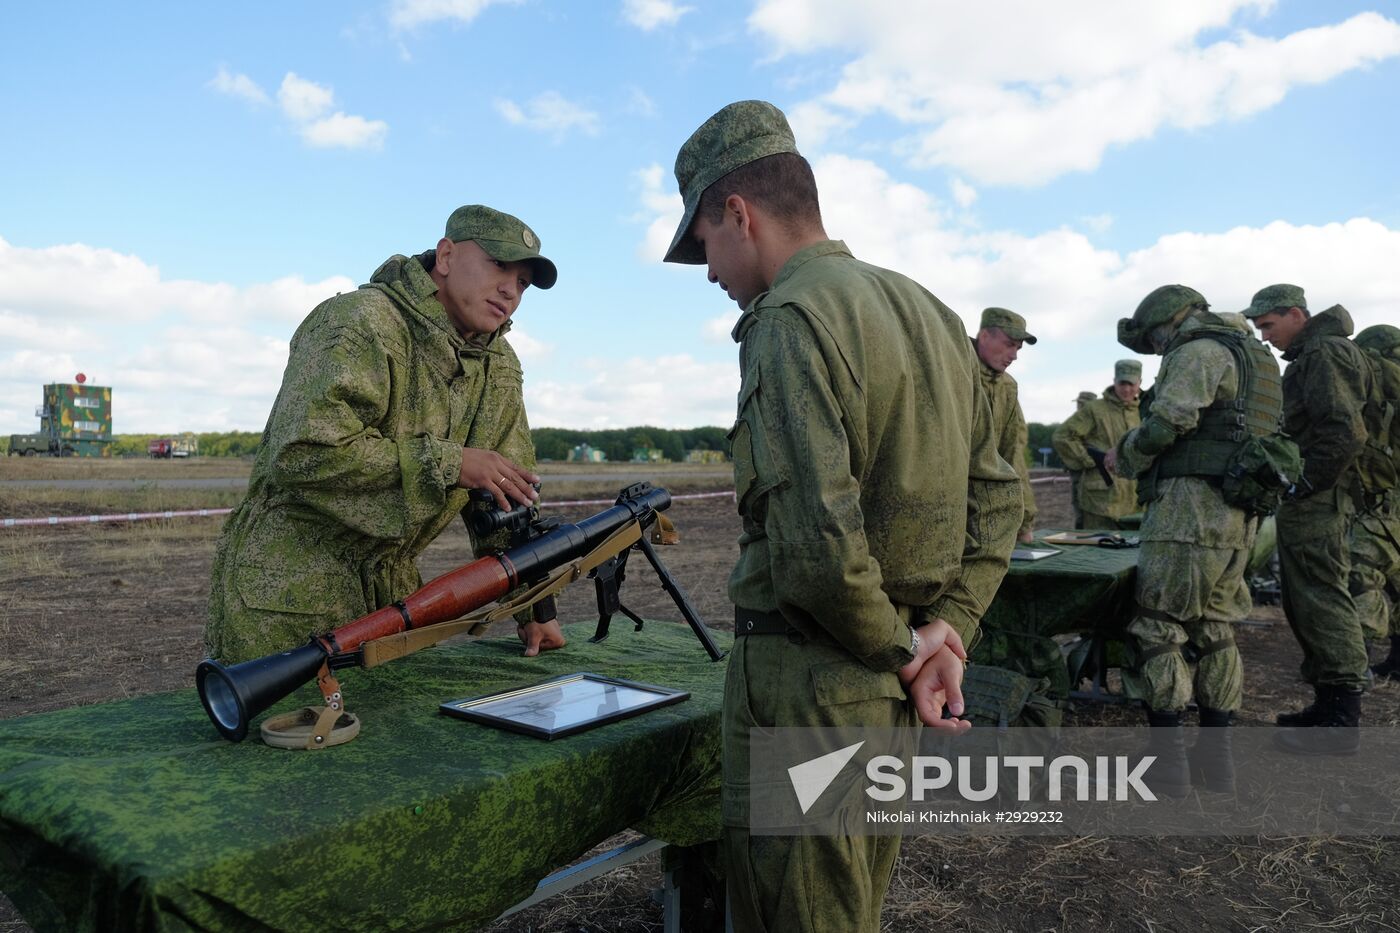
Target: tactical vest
(1378,465)
(1256,411)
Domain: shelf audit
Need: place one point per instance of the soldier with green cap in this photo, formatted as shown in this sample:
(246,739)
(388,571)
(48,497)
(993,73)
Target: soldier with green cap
(1216,386)
(877,516)
(1000,336)
(1324,392)
(1375,538)
(1100,424)
(399,399)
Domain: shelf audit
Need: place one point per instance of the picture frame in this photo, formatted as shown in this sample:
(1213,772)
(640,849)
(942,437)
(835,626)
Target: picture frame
(563,706)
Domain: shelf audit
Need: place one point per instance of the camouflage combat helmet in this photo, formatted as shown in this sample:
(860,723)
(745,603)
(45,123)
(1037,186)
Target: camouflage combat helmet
(1160,307)
(1381,339)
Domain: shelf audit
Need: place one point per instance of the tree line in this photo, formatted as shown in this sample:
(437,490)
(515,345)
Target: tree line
(617,444)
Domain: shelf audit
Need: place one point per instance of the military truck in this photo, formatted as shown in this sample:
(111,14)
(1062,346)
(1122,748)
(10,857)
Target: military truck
(29,445)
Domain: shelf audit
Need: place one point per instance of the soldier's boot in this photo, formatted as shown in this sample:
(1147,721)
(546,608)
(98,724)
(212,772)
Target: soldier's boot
(1389,669)
(1212,758)
(1169,775)
(1338,733)
(1314,714)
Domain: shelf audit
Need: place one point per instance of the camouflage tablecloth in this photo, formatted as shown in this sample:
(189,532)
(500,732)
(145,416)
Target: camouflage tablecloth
(1081,589)
(135,815)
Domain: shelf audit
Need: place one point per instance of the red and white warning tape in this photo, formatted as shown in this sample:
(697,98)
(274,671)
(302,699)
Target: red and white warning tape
(199,513)
(93,519)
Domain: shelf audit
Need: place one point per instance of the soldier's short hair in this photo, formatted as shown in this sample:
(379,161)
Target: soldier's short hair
(782,184)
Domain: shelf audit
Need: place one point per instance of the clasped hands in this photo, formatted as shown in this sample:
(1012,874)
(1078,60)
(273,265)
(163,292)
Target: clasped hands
(934,678)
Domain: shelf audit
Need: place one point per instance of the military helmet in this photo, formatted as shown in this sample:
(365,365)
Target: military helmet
(1160,306)
(1381,338)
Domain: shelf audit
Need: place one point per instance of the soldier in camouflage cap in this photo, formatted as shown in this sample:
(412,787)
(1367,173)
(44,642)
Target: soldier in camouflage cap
(399,399)
(861,452)
(1195,546)
(1000,336)
(1324,392)
(1100,424)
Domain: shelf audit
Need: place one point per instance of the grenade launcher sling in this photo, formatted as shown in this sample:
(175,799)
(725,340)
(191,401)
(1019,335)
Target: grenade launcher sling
(544,557)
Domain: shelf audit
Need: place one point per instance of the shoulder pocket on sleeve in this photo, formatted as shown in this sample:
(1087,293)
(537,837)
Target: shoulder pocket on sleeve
(755,472)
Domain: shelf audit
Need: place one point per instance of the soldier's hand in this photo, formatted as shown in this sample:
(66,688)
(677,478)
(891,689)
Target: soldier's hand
(507,482)
(1110,459)
(1025,537)
(939,684)
(541,636)
(933,637)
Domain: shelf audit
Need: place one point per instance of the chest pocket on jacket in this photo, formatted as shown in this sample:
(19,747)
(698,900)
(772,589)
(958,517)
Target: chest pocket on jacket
(756,471)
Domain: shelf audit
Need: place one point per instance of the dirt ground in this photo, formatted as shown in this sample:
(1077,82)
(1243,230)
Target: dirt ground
(64,588)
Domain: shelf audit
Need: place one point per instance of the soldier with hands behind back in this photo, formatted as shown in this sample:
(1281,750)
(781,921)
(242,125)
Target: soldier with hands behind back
(877,516)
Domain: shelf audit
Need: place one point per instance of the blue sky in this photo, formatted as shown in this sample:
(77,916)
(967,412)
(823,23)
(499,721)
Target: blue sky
(181,184)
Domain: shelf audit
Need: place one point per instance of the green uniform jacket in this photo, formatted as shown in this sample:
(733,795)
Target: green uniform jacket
(1325,387)
(358,465)
(1193,375)
(1011,435)
(865,463)
(1101,424)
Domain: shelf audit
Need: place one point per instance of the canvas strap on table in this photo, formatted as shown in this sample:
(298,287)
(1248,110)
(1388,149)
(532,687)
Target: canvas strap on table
(396,646)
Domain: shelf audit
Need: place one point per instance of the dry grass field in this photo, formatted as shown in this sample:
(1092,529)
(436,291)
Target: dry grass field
(64,588)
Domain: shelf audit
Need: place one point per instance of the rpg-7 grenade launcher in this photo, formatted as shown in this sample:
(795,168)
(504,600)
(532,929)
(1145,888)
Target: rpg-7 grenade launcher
(544,556)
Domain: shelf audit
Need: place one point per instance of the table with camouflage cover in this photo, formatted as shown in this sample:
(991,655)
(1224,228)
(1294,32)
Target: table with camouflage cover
(136,815)
(1081,590)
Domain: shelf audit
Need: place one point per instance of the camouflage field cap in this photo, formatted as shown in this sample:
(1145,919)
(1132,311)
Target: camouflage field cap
(1127,371)
(1380,338)
(1275,298)
(1009,322)
(503,237)
(741,133)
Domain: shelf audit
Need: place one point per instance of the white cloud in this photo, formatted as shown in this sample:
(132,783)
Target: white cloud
(120,289)
(303,100)
(550,113)
(675,391)
(640,103)
(1072,292)
(409,14)
(179,354)
(345,131)
(1097,223)
(649,14)
(662,209)
(963,193)
(239,85)
(1005,106)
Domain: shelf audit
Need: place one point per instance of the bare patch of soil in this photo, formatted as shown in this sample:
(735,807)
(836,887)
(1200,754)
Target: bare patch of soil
(136,594)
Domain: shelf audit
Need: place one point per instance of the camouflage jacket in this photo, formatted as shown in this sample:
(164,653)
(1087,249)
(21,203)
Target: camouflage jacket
(1101,423)
(1010,427)
(1325,388)
(865,465)
(357,470)
(1193,375)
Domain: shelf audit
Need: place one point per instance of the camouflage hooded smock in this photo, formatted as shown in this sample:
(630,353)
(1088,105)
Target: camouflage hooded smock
(1100,423)
(1009,426)
(358,465)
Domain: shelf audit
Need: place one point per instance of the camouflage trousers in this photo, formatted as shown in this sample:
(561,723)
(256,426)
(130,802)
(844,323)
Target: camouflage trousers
(1375,568)
(1187,597)
(1074,499)
(1314,535)
(801,883)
